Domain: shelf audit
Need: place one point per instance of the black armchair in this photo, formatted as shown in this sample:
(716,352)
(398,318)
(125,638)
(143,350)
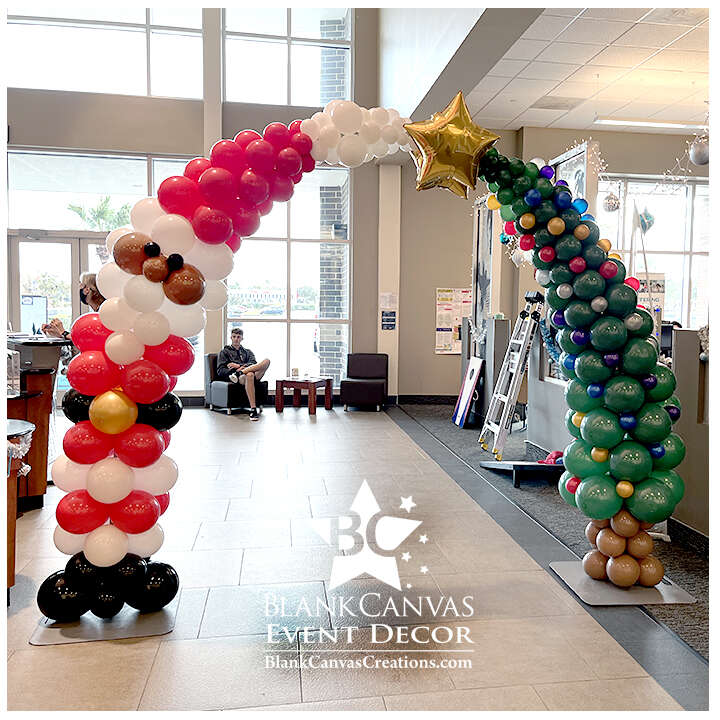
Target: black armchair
(227,395)
(367,380)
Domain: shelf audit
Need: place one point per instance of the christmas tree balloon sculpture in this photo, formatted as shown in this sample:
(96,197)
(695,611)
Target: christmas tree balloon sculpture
(619,470)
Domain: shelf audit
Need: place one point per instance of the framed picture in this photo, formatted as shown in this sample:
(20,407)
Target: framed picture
(571,167)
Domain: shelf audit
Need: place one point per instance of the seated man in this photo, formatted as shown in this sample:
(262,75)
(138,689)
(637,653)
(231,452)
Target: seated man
(238,364)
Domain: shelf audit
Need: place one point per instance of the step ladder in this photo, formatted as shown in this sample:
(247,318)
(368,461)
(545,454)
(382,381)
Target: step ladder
(498,420)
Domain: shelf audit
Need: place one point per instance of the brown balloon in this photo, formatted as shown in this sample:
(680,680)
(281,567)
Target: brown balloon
(591,532)
(600,524)
(651,571)
(640,545)
(129,252)
(156,269)
(610,543)
(185,286)
(594,564)
(646,525)
(623,523)
(623,571)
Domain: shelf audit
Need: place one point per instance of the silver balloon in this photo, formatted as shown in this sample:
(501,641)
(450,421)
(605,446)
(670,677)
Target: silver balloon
(599,304)
(633,321)
(700,151)
(564,291)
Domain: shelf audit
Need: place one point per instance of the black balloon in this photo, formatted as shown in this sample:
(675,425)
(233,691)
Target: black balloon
(107,601)
(161,586)
(60,600)
(163,414)
(76,406)
(82,574)
(128,575)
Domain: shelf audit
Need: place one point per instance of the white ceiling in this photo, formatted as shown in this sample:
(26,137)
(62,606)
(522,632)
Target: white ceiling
(573,64)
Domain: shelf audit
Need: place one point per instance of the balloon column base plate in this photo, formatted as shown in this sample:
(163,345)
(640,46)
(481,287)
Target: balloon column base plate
(128,623)
(603,592)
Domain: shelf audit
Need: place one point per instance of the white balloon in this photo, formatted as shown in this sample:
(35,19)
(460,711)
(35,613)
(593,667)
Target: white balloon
(114,235)
(143,295)
(68,475)
(542,277)
(332,157)
(173,233)
(105,546)
(599,304)
(389,134)
(216,295)
(398,123)
(564,291)
(111,280)
(370,132)
(68,543)
(392,114)
(366,115)
(146,543)
(158,478)
(322,119)
(380,116)
(116,314)
(319,151)
(539,162)
(392,149)
(347,116)
(215,262)
(151,328)
(351,151)
(329,136)
(185,320)
(311,128)
(329,107)
(379,149)
(144,213)
(109,480)
(123,347)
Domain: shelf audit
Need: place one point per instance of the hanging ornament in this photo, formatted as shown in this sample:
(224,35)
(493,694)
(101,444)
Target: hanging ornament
(611,202)
(646,220)
(700,151)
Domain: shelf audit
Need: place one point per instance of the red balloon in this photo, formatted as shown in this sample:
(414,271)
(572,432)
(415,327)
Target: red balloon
(277,135)
(289,162)
(180,195)
(144,382)
(88,332)
(79,513)
(136,513)
(91,373)
(260,155)
(301,142)
(281,189)
(265,207)
(246,222)
(139,446)
(166,438)
(633,282)
(308,163)
(228,155)
(294,127)
(218,186)
(175,356)
(163,501)
(234,242)
(296,178)
(253,187)
(211,226)
(84,443)
(196,167)
(173,382)
(245,137)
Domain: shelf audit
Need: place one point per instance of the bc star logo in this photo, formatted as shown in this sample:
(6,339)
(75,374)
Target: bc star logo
(368,538)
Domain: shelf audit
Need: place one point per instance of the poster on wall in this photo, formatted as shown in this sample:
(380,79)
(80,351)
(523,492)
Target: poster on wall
(451,306)
(571,167)
(652,296)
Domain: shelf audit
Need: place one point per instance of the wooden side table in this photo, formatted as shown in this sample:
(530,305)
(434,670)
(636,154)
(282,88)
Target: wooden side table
(297,385)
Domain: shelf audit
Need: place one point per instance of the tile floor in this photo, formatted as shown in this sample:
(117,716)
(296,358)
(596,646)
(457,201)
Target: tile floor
(238,532)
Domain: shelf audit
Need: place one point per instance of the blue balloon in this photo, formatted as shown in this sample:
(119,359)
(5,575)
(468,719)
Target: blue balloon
(533,197)
(580,336)
(569,361)
(563,200)
(627,421)
(657,451)
(581,205)
(595,390)
(587,216)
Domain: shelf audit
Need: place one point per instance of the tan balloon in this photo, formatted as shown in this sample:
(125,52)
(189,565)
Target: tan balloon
(129,252)
(610,543)
(646,525)
(594,564)
(640,545)
(185,286)
(651,571)
(623,523)
(623,571)
(591,532)
(600,524)
(155,269)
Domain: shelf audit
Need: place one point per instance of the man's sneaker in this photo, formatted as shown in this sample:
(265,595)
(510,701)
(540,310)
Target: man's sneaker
(254,414)
(233,377)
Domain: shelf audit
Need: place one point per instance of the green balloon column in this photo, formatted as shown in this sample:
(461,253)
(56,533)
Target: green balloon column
(619,469)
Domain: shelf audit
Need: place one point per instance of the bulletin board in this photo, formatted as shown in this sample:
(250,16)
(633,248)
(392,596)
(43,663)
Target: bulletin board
(451,306)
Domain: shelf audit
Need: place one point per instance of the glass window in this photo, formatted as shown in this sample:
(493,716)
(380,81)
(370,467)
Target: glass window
(257,21)
(699,291)
(97,256)
(163,168)
(99,12)
(274,224)
(674,266)
(319,280)
(667,206)
(194,378)
(257,286)
(176,64)
(318,74)
(177,17)
(610,222)
(266,340)
(319,208)
(245,83)
(321,23)
(701,219)
(319,349)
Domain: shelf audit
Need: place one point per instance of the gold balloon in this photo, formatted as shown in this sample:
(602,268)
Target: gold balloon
(610,543)
(640,545)
(591,533)
(556,226)
(615,256)
(594,564)
(577,419)
(651,571)
(113,412)
(492,203)
(623,523)
(449,147)
(624,489)
(527,221)
(581,232)
(599,454)
(604,244)
(623,571)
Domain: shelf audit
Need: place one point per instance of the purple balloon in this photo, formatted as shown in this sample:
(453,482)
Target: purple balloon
(673,411)
(649,381)
(547,172)
(562,182)
(559,319)
(611,359)
(580,336)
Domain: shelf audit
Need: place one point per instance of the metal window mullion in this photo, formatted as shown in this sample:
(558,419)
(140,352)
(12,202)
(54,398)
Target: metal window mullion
(288,29)
(99,24)
(147,52)
(690,230)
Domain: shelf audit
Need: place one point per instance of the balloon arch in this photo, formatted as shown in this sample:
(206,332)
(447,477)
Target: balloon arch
(168,270)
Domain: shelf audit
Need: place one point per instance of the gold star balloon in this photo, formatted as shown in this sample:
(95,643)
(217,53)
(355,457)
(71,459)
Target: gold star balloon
(448,148)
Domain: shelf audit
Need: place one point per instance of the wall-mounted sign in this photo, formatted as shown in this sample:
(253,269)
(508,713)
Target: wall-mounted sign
(451,306)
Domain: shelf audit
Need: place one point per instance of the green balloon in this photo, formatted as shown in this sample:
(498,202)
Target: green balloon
(594,235)
(639,356)
(674,453)
(568,246)
(673,481)
(539,263)
(504,180)
(544,187)
(673,400)
(597,498)
(521,185)
(665,384)
(579,462)
(651,502)
(630,461)
(554,300)
(588,284)
(545,211)
(565,494)
(561,273)
(579,314)
(566,344)
(505,196)
(543,237)
(493,187)
(653,424)
(577,398)
(520,207)
(608,333)
(506,213)
(590,368)
(571,218)
(600,428)
(621,273)
(622,300)
(531,171)
(567,372)
(594,256)
(624,394)
(516,167)
(570,425)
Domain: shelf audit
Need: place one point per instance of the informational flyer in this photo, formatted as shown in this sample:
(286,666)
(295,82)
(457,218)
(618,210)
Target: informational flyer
(653,297)
(451,306)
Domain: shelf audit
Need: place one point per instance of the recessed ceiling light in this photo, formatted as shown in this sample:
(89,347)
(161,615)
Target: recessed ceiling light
(650,123)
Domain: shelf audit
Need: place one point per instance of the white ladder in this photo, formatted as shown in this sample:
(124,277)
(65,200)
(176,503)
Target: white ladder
(504,398)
